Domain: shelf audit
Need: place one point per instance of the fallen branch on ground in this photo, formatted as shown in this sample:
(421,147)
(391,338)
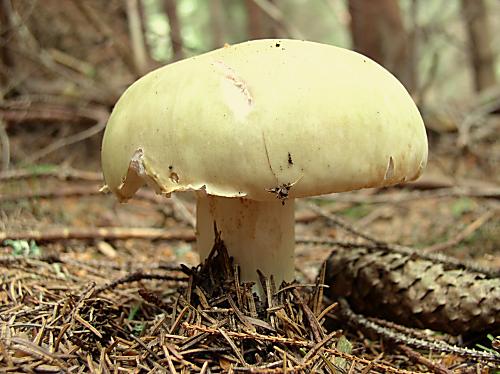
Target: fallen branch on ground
(463,235)
(60,173)
(403,195)
(103,233)
(342,224)
(17,111)
(361,321)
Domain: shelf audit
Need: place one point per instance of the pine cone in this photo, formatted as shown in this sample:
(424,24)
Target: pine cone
(413,291)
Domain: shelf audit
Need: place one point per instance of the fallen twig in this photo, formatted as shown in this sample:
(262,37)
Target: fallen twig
(64,142)
(102,233)
(60,173)
(468,231)
(14,111)
(359,320)
(89,190)
(418,358)
(341,223)
(134,277)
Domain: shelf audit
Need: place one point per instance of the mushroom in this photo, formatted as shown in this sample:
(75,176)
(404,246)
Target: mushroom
(253,126)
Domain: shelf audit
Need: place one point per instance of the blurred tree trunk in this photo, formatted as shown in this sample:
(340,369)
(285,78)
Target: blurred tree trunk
(377,31)
(175,28)
(6,40)
(217,23)
(254,20)
(475,16)
(259,24)
(135,27)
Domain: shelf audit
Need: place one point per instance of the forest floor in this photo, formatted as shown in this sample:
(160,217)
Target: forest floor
(83,241)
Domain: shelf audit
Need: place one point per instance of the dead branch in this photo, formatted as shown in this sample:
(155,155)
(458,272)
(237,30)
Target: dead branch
(135,277)
(341,223)
(71,62)
(359,320)
(20,112)
(32,50)
(75,191)
(60,173)
(102,233)
(420,359)
(17,111)
(67,141)
(95,19)
(90,190)
(160,202)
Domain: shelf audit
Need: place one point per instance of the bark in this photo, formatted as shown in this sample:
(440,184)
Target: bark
(378,32)
(6,39)
(481,54)
(217,23)
(175,29)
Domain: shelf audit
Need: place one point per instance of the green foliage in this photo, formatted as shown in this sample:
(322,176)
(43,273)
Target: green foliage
(138,329)
(38,169)
(345,346)
(23,247)
(357,211)
(462,206)
(134,311)
(491,338)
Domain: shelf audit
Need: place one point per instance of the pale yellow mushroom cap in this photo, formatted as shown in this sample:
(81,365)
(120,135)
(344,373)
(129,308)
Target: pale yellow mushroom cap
(244,119)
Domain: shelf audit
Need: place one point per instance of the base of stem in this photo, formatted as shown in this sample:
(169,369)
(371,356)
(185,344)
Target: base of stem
(258,235)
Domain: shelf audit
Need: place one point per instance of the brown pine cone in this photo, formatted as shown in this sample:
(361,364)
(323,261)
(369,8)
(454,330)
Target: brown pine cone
(413,291)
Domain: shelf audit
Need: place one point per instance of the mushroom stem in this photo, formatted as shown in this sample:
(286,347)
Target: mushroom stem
(258,235)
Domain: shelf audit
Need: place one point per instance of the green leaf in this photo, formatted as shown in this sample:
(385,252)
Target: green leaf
(23,247)
(345,346)
(462,206)
(134,311)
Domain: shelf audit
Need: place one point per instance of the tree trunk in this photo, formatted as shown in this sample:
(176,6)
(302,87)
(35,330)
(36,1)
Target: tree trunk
(378,32)
(260,20)
(175,29)
(6,40)
(254,20)
(475,17)
(135,27)
(217,18)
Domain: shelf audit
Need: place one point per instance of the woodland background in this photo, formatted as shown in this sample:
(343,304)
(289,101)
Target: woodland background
(65,62)
(63,65)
